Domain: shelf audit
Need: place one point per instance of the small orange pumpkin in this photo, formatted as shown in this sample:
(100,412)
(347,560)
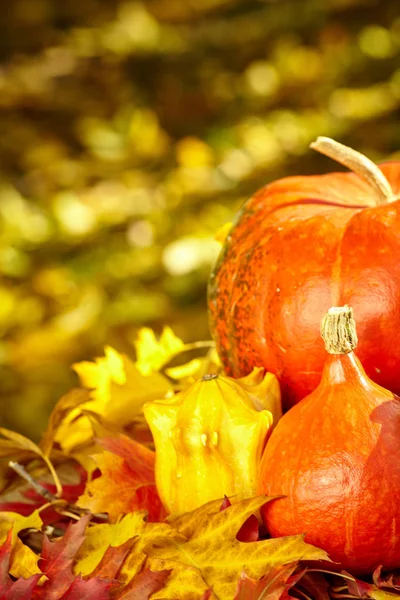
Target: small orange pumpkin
(335,456)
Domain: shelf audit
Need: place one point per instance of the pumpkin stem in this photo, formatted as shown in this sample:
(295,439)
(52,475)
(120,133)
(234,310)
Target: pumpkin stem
(360,164)
(338,330)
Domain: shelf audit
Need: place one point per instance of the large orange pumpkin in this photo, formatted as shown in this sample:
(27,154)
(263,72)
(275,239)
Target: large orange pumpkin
(299,246)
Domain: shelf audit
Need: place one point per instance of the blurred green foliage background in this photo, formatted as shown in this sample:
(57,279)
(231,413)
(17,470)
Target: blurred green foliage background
(131,131)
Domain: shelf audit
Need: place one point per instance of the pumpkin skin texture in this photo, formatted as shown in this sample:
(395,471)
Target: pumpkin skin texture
(299,246)
(336,458)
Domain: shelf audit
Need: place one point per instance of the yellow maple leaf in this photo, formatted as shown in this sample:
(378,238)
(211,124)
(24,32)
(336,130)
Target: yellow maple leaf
(24,562)
(118,388)
(200,548)
(207,542)
(134,527)
(152,354)
(117,391)
(99,538)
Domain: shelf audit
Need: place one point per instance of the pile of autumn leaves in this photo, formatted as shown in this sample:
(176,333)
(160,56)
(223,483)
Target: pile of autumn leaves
(81,516)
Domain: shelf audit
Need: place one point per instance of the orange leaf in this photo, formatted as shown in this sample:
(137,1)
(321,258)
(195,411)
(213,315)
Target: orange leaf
(126,482)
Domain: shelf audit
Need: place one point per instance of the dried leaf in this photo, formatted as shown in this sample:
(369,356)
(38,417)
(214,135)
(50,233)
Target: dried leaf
(190,372)
(214,550)
(152,354)
(126,483)
(117,391)
(62,409)
(133,532)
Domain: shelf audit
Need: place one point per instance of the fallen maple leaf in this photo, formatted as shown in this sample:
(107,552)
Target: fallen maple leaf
(214,551)
(111,540)
(57,560)
(101,540)
(116,391)
(118,388)
(126,482)
(153,353)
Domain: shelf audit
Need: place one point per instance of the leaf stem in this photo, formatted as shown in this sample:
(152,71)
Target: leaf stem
(38,487)
(301,593)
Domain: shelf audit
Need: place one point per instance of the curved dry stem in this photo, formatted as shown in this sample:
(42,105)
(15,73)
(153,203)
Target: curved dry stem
(360,164)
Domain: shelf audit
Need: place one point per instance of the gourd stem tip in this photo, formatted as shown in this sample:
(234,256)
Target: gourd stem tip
(338,330)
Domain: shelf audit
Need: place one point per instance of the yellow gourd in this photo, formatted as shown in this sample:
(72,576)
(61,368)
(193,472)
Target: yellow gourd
(209,438)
